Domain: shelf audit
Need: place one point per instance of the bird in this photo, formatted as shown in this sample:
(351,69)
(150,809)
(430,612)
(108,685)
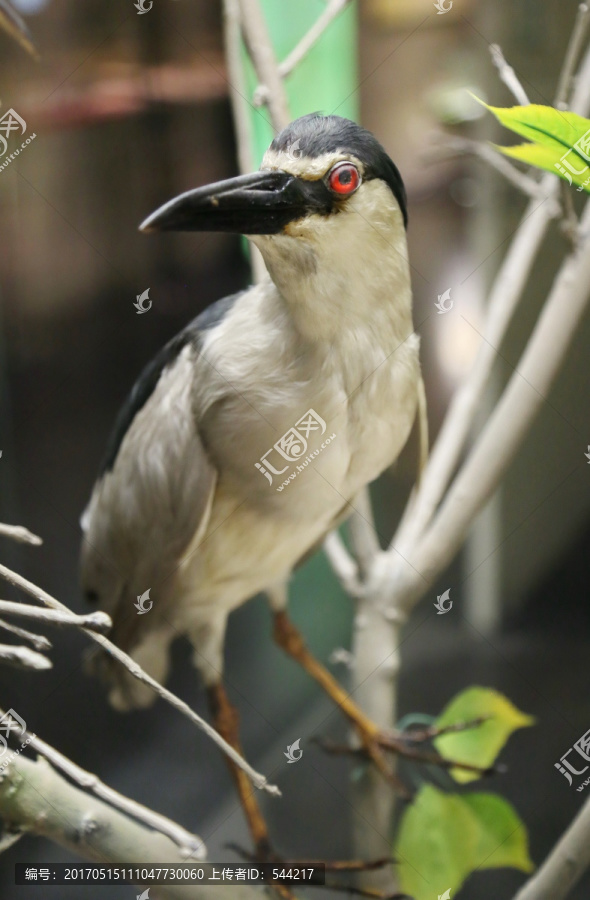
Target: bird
(247,438)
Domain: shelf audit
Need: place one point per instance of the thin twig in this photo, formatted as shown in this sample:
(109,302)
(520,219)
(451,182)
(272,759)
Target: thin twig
(23,658)
(265,62)
(240,108)
(39,641)
(427,734)
(569,224)
(96,621)
(343,564)
(20,534)
(460,145)
(187,842)
(508,75)
(363,534)
(565,865)
(300,51)
(574,48)
(257,779)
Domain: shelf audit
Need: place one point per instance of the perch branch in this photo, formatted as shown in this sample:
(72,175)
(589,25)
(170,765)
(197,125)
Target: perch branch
(36,798)
(257,779)
(186,842)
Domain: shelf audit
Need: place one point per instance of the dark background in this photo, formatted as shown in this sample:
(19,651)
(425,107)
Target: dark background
(129,111)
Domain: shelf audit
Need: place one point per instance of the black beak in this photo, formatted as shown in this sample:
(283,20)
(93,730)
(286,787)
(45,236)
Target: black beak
(261,203)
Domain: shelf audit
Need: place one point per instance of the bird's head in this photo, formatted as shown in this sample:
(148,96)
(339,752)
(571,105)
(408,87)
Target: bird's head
(326,199)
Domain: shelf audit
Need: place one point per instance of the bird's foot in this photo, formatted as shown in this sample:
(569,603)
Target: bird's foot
(375,744)
(264,853)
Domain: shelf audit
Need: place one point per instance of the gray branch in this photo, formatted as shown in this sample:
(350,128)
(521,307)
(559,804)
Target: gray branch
(96,621)
(565,865)
(36,798)
(20,534)
(257,779)
(39,641)
(23,658)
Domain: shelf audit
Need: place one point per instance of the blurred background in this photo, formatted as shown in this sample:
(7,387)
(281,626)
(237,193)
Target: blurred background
(130,110)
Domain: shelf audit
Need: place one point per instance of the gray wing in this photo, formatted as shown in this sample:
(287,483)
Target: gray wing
(153,496)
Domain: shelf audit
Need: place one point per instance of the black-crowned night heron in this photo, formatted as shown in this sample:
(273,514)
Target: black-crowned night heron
(248,437)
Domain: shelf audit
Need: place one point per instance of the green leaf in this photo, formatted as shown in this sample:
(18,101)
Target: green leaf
(549,160)
(543,124)
(560,140)
(436,844)
(480,745)
(503,839)
(443,838)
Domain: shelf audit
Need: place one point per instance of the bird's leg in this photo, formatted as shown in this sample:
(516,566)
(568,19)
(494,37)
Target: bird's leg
(374,741)
(289,638)
(226,720)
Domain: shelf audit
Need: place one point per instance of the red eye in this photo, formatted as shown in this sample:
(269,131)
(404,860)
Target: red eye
(344,178)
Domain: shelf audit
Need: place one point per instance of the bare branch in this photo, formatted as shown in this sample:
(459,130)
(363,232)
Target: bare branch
(343,564)
(96,621)
(574,48)
(257,779)
(20,534)
(265,62)
(363,534)
(39,641)
(36,798)
(508,75)
(460,145)
(23,658)
(241,108)
(495,448)
(565,865)
(300,51)
(186,842)
(503,300)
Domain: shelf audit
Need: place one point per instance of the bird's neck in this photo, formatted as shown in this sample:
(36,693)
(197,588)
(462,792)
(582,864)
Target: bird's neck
(341,293)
